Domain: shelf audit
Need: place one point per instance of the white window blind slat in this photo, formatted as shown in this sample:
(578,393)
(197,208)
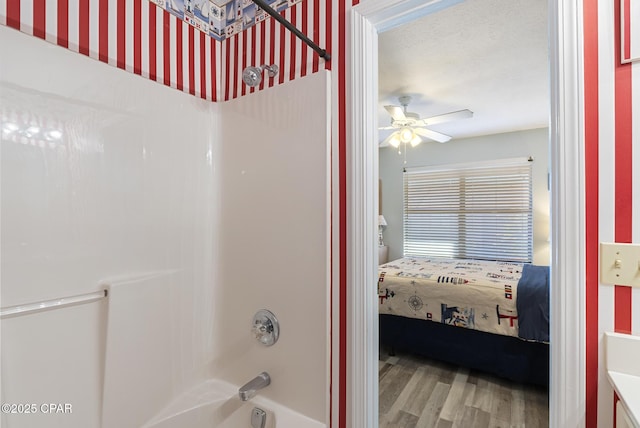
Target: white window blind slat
(477,211)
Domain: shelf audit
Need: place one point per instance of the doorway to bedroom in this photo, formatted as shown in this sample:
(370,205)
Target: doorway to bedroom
(469,192)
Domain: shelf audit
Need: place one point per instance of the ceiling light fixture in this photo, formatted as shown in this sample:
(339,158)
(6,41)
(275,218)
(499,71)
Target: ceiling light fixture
(406,135)
(395,140)
(410,129)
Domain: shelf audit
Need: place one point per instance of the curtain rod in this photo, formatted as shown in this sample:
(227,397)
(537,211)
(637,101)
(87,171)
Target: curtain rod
(264,6)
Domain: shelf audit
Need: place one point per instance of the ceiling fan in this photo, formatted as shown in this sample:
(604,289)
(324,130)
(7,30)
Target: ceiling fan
(410,127)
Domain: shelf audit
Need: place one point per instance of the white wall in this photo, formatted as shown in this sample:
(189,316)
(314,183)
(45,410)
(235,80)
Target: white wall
(129,188)
(274,241)
(533,143)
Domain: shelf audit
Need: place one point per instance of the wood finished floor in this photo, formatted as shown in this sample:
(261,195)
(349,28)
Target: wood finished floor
(422,393)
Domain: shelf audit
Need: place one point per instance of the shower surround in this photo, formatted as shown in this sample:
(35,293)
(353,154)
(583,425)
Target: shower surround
(193,214)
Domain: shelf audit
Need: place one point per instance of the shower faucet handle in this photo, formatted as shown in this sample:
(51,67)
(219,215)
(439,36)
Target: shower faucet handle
(265,327)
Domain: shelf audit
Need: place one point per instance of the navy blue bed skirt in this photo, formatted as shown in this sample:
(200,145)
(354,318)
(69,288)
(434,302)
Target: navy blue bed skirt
(509,357)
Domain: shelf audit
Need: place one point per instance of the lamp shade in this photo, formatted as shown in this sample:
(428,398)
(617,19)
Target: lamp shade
(381,220)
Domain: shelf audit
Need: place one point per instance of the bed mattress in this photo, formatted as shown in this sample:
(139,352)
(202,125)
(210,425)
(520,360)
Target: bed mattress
(473,294)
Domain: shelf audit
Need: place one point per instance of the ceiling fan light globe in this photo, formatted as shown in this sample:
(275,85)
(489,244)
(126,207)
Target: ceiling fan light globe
(415,141)
(406,135)
(394,141)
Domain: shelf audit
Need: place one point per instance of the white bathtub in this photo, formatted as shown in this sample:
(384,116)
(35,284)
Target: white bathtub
(215,404)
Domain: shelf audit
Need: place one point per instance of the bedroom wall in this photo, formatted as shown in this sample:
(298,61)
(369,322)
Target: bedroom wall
(126,189)
(533,143)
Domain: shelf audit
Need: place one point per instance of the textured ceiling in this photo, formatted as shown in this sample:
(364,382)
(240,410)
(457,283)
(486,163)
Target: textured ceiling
(488,56)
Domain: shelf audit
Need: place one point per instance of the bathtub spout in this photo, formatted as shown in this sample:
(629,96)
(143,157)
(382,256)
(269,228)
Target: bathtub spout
(250,389)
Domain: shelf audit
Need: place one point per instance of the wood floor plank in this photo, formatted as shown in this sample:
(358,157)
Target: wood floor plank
(467,398)
(537,409)
(517,408)
(473,417)
(498,423)
(483,398)
(416,402)
(501,404)
(409,391)
(471,395)
(443,423)
(455,399)
(402,420)
(383,370)
(391,386)
(431,412)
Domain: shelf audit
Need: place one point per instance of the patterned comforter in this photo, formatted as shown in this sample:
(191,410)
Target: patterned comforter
(473,294)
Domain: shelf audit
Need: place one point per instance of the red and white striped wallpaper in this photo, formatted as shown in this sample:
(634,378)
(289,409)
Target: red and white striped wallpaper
(268,42)
(143,39)
(134,35)
(612,208)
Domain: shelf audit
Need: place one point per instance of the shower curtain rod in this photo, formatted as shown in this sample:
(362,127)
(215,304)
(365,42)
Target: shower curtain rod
(264,6)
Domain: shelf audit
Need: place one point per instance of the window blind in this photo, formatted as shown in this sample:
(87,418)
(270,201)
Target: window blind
(471,211)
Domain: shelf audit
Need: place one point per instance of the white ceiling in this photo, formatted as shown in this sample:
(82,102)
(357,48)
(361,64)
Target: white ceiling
(488,56)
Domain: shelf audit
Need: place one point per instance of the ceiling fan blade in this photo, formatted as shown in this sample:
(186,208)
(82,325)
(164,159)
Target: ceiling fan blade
(455,115)
(384,128)
(396,112)
(433,135)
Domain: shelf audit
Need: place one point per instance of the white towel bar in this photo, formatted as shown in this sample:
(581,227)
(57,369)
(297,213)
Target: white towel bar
(44,305)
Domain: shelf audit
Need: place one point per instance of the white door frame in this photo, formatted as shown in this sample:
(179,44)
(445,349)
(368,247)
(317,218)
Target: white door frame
(567,386)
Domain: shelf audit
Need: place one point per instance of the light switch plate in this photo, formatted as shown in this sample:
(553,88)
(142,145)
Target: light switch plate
(620,264)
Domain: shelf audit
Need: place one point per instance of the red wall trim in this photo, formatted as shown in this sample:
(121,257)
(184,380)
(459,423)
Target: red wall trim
(137,36)
(254,50)
(83,27)
(591,208)
(166,48)
(627,29)
(121,34)
(63,23)
(243,91)
(103,30)
(179,58)
(623,172)
(305,30)
(227,65)
(316,33)
(342,185)
(152,42)
(263,45)
(329,32)
(214,73)
(13,14)
(293,40)
(235,65)
(192,59)
(39,18)
(203,66)
(283,70)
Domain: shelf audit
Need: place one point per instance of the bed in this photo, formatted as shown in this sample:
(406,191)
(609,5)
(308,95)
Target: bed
(486,315)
